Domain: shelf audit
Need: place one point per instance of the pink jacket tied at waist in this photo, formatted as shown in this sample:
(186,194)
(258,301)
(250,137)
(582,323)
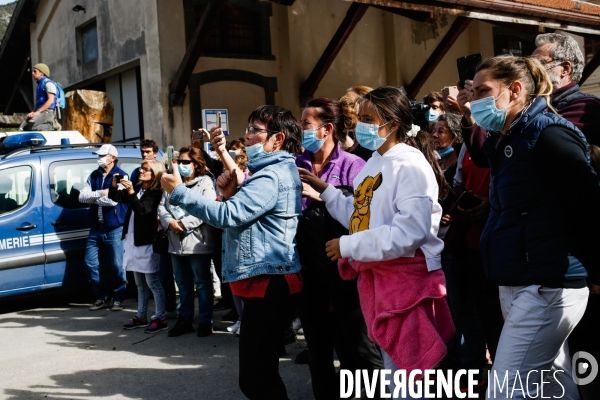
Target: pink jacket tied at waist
(404,307)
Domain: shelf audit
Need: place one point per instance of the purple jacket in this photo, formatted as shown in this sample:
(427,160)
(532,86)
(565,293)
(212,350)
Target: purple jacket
(340,170)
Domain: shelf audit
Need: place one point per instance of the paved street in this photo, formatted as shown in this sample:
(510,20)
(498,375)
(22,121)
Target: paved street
(52,347)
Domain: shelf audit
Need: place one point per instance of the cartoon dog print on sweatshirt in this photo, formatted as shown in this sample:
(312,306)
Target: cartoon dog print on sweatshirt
(359,220)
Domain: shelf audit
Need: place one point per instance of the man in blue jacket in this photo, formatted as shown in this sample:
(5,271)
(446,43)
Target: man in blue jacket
(104,244)
(43,117)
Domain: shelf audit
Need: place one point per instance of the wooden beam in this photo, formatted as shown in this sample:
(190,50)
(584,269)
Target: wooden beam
(590,67)
(458,27)
(420,16)
(192,54)
(310,85)
(500,10)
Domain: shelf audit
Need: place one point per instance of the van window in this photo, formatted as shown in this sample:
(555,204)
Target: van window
(15,188)
(67,178)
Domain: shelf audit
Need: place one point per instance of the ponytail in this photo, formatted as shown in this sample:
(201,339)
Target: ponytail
(541,80)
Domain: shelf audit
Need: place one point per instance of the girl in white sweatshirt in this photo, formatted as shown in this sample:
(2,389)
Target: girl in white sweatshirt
(393,219)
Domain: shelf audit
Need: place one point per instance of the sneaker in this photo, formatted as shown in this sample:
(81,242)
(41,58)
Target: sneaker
(239,330)
(300,331)
(181,327)
(136,323)
(235,327)
(171,315)
(98,305)
(296,324)
(117,306)
(156,326)
(205,329)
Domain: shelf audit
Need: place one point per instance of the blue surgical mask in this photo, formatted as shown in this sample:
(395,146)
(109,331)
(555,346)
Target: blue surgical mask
(310,141)
(487,115)
(368,135)
(254,151)
(444,152)
(432,115)
(185,170)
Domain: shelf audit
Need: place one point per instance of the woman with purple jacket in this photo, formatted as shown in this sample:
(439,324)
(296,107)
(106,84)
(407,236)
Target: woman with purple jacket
(329,306)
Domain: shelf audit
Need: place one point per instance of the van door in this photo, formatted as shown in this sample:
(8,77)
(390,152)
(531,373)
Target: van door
(66,222)
(21,237)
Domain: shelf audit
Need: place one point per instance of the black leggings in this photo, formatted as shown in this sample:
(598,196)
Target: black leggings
(265,320)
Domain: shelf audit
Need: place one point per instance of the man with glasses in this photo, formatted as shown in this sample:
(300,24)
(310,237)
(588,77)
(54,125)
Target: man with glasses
(561,57)
(104,244)
(149,150)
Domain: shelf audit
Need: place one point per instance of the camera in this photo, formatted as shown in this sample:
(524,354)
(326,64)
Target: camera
(418,109)
(118,178)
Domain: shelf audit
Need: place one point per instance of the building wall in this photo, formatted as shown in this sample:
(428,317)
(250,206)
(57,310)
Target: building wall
(383,49)
(127,37)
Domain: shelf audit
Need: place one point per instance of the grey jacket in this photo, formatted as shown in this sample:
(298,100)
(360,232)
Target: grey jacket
(199,237)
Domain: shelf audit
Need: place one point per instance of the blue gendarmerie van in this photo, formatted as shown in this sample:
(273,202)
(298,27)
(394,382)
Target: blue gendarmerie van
(43,226)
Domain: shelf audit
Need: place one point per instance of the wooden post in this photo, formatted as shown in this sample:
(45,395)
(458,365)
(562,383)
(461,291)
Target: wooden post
(458,27)
(310,85)
(590,68)
(192,54)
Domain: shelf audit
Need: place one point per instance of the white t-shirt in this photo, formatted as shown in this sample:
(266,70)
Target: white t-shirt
(402,214)
(50,87)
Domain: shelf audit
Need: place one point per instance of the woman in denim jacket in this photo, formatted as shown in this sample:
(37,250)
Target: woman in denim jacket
(259,250)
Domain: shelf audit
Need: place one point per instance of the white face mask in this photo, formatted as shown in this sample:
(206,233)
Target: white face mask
(102,161)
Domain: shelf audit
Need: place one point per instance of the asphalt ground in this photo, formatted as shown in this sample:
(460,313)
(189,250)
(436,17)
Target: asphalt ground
(53,347)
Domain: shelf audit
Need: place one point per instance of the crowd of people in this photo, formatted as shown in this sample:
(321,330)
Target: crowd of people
(454,239)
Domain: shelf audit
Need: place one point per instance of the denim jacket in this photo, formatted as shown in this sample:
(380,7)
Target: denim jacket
(260,221)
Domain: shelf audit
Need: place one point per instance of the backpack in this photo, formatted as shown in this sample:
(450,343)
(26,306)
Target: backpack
(60,96)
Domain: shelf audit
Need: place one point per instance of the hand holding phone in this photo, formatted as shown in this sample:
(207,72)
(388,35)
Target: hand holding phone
(200,135)
(467,67)
(170,159)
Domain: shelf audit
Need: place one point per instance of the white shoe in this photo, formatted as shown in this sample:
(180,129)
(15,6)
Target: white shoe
(235,327)
(300,331)
(296,324)
(239,330)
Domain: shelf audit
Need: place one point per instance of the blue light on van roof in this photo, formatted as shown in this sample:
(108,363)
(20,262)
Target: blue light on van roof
(22,140)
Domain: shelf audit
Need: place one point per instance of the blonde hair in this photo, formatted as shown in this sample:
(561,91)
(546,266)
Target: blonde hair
(527,70)
(360,90)
(348,106)
(157,168)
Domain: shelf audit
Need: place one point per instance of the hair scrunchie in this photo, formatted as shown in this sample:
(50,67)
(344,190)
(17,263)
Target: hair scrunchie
(413,132)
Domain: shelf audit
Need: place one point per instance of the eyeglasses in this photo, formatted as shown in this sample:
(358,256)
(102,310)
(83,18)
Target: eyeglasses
(546,61)
(184,162)
(251,131)
(145,170)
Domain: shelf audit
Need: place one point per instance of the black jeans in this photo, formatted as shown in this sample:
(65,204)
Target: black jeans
(167,281)
(343,330)
(265,320)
